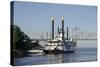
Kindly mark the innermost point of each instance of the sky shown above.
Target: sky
(33, 17)
(36, 17)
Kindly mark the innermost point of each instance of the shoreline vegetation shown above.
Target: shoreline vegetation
(22, 43)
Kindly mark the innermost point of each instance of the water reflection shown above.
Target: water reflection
(80, 55)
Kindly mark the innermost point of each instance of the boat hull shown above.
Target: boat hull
(56, 51)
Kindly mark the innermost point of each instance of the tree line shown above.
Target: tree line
(21, 42)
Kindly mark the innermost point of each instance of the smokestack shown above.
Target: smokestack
(67, 34)
(52, 27)
(62, 28)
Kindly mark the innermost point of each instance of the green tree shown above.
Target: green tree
(20, 40)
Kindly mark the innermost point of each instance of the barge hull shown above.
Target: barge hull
(56, 51)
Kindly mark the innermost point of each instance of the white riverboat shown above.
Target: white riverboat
(60, 43)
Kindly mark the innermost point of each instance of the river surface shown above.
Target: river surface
(86, 51)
